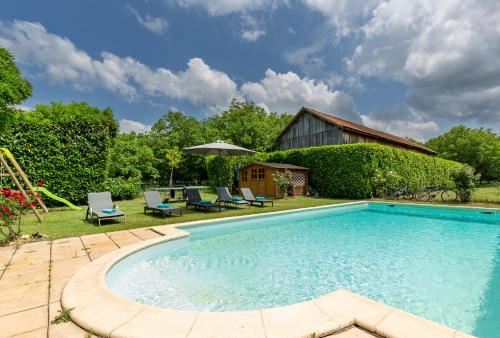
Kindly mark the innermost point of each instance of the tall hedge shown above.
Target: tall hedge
(65, 146)
(349, 171)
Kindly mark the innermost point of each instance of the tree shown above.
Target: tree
(174, 159)
(131, 157)
(479, 148)
(174, 129)
(247, 125)
(14, 89)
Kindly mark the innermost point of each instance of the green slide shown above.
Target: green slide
(57, 198)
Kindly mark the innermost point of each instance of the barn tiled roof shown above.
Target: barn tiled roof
(277, 165)
(360, 129)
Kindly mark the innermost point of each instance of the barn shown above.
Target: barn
(258, 176)
(310, 128)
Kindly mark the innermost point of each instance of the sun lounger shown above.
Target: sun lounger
(194, 199)
(248, 196)
(226, 198)
(101, 207)
(155, 203)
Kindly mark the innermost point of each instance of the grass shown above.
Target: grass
(64, 222)
(487, 193)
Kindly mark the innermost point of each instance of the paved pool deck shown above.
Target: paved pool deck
(33, 276)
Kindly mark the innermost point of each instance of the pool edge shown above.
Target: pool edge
(100, 311)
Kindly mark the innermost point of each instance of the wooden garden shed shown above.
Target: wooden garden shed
(258, 176)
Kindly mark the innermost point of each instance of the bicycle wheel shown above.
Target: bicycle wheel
(449, 196)
(423, 196)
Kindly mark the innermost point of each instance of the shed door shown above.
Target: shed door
(258, 177)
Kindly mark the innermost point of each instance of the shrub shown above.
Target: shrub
(13, 204)
(122, 189)
(65, 146)
(221, 171)
(283, 179)
(355, 170)
(464, 182)
(386, 182)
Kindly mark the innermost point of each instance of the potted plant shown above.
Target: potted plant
(13, 204)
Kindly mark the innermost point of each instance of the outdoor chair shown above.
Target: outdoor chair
(248, 196)
(154, 202)
(194, 199)
(226, 198)
(101, 207)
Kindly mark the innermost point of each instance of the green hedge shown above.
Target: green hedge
(350, 171)
(65, 146)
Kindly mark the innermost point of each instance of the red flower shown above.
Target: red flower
(33, 204)
(25, 205)
(5, 208)
(1, 215)
(6, 192)
(40, 184)
(28, 192)
(11, 214)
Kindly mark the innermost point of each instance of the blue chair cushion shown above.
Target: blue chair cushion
(163, 205)
(206, 202)
(108, 211)
(260, 198)
(235, 199)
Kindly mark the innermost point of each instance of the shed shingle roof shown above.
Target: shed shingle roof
(359, 129)
(277, 165)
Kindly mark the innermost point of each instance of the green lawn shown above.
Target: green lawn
(487, 193)
(63, 222)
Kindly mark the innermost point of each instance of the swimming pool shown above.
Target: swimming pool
(440, 263)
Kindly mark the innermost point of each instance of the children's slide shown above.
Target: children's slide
(57, 198)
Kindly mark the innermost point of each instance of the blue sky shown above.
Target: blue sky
(414, 69)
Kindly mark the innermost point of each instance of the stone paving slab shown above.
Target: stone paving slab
(24, 321)
(353, 332)
(67, 248)
(98, 245)
(145, 233)
(124, 238)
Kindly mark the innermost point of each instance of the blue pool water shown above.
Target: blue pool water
(441, 264)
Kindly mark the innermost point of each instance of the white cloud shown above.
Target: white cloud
(252, 35)
(222, 7)
(419, 130)
(344, 15)
(208, 88)
(252, 29)
(446, 52)
(154, 24)
(308, 58)
(63, 62)
(127, 126)
(288, 92)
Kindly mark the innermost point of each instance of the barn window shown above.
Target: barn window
(244, 176)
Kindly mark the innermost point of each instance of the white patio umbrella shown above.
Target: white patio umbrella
(220, 148)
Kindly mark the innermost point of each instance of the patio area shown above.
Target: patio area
(33, 276)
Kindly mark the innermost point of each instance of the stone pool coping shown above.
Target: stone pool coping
(99, 310)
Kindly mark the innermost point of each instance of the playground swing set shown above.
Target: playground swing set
(6, 157)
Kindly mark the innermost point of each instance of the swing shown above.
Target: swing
(6, 154)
